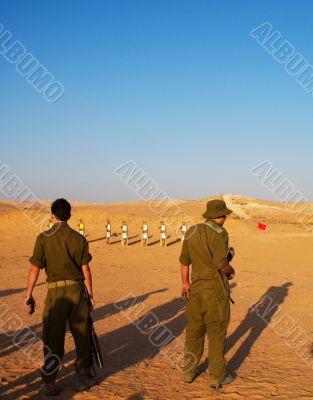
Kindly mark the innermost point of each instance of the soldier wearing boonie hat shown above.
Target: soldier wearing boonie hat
(208, 302)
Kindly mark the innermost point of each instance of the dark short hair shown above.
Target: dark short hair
(61, 208)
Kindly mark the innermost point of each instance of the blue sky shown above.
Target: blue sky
(177, 86)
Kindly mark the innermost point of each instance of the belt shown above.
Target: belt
(66, 282)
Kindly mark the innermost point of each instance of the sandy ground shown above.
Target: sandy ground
(269, 346)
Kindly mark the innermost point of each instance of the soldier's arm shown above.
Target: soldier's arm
(220, 256)
(38, 262)
(86, 258)
(229, 271)
(185, 261)
(185, 278)
(88, 283)
(32, 279)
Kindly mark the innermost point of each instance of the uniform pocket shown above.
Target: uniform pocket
(215, 306)
(46, 315)
(223, 308)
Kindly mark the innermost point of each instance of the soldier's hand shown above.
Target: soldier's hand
(185, 288)
(231, 276)
(229, 271)
(29, 307)
(91, 304)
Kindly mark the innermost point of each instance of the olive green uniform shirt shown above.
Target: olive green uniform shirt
(62, 252)
(206, 248)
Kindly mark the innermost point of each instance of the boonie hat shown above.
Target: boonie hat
(216, 208)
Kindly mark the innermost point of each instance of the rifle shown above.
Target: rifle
(224, 287)
(230, 256)
(95, 347)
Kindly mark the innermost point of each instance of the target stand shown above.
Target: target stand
(124, 235)
(183, 231)
(163, 235)
(108, 232)
(81, 227)
(144, 238)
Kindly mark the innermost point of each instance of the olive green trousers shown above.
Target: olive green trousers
(207, 312)
(64, 304)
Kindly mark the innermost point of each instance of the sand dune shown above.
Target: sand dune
(268, 358)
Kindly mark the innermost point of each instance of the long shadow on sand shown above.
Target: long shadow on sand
(9, 319)
(130, 344)
(138, 241)
(105, 311)
(8, 292)
(119, 241)
(122, 348)
(136, 396)
(178, 240)
(157, 241)
(104, 237)
(256, 320)
(258, 317)
(97, 240)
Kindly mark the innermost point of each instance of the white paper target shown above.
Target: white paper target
(108, 234)
(163, 227)
(163, 235)
(145, 227)
(184, 228)
(145, 236)
(124, 235)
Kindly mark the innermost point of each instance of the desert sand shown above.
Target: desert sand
(269, 350)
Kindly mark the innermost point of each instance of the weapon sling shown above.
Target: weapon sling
(210, 224)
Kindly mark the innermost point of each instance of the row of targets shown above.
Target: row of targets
(125, 232)
(81, 226)
(145, 233)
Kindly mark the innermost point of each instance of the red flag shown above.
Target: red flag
(261, 226)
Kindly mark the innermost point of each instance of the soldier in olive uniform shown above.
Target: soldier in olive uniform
(64, 254)
(208, 309)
